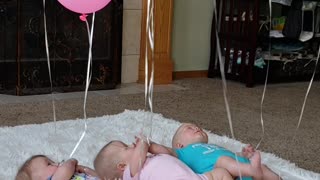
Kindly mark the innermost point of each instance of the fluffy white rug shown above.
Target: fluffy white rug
(20, 142)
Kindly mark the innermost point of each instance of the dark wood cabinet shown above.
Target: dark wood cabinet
(23, 62)
(237, 34)
(245, 38)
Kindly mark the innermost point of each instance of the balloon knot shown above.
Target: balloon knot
(83, 17)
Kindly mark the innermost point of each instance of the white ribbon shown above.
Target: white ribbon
(48, 62)
(265, 82)
(221, 64)
(307, 93)
(88, 79)
(149, 83)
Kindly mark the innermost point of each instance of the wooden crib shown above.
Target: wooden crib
(237, 32)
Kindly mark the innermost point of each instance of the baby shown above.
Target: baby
(190, 145)
(40, 167)
(116, 160)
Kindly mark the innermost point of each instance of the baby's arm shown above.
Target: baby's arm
(139, 156)
(161, 149)
(66, 170)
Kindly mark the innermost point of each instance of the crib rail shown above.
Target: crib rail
(237, 31)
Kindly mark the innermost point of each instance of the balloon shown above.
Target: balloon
(84, 6)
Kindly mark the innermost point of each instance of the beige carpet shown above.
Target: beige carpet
(202, 103)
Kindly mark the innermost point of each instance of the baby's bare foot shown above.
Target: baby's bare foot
(255, 162)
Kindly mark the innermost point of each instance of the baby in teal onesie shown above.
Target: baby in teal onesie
(202, 157)
(190, 145)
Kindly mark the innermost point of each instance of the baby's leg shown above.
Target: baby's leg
(219, 174)
(269, 174)
(235, 168)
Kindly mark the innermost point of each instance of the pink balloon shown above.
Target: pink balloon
(84, 6)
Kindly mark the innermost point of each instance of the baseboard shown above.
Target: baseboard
(189, 74)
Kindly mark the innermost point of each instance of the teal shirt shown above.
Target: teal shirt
(202, 157)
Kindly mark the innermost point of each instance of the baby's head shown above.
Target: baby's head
(112, 160)
(37, 167)
(187, 134)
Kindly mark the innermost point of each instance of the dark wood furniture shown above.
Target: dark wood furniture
(23, 64)
(241, 31)
(237, 31)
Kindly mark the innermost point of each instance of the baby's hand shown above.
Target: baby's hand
(65, 170)
(86, 170)
(139, 155)
(143, 138)
(142, 141)
(248, 151)
(71, 161)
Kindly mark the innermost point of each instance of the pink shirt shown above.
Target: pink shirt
(163, 166)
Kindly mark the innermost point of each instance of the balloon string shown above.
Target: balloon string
(307, 93)
(146, 69)
(88, 79)
(149, 38)
(224, 83)
(151, 41)
(265, 82)
(48, 62)
(261, 107)
(149, 83)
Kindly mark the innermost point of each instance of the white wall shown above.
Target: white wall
(132, 11)
(191, 34)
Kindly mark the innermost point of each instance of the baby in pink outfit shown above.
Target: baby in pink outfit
(116, 160)
(40, 167)
(161, 167)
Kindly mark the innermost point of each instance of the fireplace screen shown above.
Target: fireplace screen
(23, 63)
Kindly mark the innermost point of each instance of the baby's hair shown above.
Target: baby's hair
(176, 136)
(105, 162)
(24, 172)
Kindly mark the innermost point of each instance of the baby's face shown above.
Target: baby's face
(190, 133)
(42, 168)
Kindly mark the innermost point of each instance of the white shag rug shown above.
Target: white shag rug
(20, 142)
